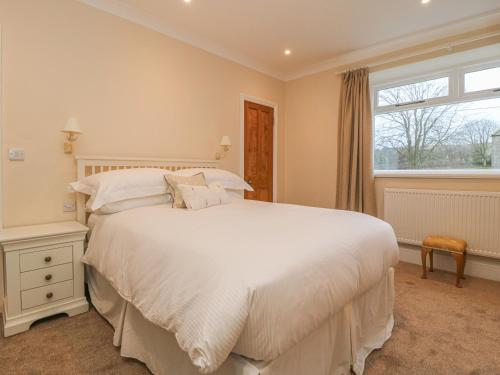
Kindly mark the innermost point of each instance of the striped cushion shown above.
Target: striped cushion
(174, 181)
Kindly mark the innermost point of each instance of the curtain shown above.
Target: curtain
(355, 182)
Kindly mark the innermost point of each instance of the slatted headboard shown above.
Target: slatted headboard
(89, 165)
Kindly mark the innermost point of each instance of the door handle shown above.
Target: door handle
(249, 181)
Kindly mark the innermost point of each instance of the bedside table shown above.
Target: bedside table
(43, 274)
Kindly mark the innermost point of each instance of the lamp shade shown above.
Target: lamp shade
(225, 141)
(72, 126)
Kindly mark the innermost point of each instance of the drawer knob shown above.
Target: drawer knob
(48, 259)
(49, 295)
(48, 277)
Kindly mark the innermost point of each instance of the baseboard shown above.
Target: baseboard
(484, 268)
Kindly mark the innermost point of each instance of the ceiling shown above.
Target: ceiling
(255, 33)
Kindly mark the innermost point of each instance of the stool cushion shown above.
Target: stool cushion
(445, 243)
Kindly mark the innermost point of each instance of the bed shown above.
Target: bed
(243, 288)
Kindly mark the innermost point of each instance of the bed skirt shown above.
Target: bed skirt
(342, 343)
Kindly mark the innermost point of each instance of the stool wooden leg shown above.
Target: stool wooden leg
(424, 252)
(463, 266)
(459, 258)
(431, 258)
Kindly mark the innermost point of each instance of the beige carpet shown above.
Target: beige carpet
(439, 330)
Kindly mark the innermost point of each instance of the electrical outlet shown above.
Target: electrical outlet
(69, 206)
(16, 154)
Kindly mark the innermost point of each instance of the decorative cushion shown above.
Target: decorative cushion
(198, 197)
(445, 243)
(174, 181)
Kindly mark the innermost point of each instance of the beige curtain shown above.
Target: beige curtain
(355, 182)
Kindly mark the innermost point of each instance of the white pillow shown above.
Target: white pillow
(197, 197)
(128, 204)
(236, 193)
(114, 186)
(227, 179)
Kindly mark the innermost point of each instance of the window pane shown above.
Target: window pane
(482, 80)
(413, 92)
(460, 136)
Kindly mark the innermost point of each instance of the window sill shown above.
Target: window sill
(449, 173)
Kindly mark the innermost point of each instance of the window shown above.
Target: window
(413, 92)
(445, 120)
(480, 80)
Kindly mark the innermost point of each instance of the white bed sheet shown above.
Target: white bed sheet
(267, 275)
(341, 343)
(93, 220)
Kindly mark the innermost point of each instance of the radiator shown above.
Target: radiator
(472, 216)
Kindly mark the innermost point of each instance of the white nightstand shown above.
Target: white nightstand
(43, 274)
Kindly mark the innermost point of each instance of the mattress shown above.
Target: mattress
(339, 344)
(251, 278)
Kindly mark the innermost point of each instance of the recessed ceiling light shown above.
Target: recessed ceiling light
(426, 1)
(288, 52)
(187, 1)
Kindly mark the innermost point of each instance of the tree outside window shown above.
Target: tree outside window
(454, 135)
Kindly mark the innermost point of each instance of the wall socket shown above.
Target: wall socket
(69, 206)
(16, 154)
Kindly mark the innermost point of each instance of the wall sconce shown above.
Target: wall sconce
(225, 143)
(72, 129)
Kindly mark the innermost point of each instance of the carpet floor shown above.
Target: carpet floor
(439, 329)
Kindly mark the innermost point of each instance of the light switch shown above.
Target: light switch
(16, 154)
(69, 206)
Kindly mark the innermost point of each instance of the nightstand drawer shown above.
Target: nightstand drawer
(46, 276)
(46, 258)
(46, 294)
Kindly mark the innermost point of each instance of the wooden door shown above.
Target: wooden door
(259, 123)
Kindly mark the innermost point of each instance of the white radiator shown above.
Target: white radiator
(470, 215)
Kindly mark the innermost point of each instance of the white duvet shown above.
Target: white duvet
(249, 277)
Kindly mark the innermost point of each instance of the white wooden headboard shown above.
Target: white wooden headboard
(89, 165)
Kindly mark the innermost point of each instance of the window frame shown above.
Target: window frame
(456, 94)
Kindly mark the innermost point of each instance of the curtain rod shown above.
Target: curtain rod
(446, 46)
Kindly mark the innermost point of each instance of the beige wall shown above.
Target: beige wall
(311, 107)
(135, 92)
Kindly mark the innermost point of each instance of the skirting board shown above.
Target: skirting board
(484, 268)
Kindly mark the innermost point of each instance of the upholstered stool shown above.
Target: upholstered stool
(454, 246)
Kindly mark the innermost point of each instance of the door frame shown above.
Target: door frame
(274, 106)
